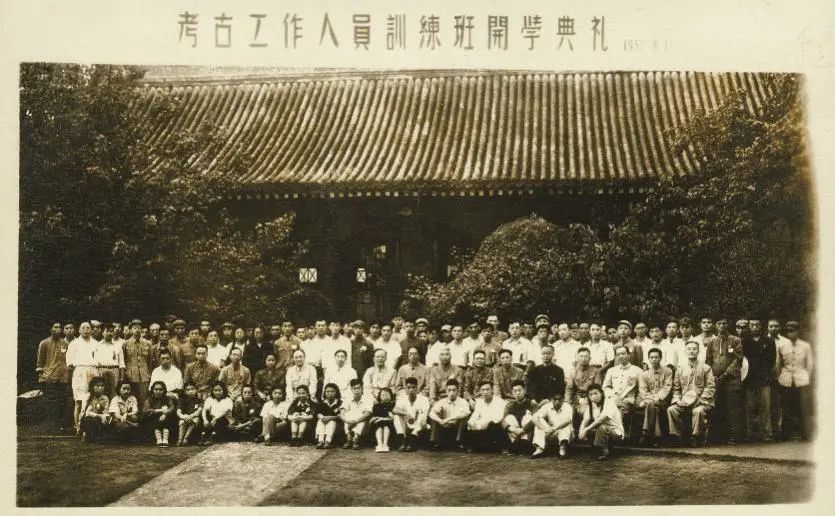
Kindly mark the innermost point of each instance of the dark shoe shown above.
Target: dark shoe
(505, 451)
(268, 442)
(403, 447)
(436, 447)
(604, 454)
(258, 439)
(320, 445)
(355, 445)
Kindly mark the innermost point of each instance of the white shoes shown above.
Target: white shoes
(382, 448)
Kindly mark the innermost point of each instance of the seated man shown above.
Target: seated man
(518, 419)
(693, 391)
(552, 422)
(621, 383)
(245, 421)
(355, 413)
(505, 375)
(449, 417)
(654, 386)
(410, 414)
(484, 428)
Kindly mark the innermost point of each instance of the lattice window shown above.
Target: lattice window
(308, 275)
(362, 275)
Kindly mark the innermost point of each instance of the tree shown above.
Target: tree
(115, 223)
(525, 266)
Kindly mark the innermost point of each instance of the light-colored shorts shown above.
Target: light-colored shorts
(81, 377)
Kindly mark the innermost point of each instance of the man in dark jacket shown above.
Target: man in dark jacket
(761, 354)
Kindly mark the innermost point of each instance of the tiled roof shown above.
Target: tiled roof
(419, 131)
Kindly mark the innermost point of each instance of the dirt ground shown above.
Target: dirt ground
(458, 479)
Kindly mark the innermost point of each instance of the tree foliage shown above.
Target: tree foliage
(733, 239)
(115, 223)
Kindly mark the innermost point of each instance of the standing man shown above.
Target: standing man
(69, 332)
(164, 342)
(491, 347)
(458, 349)
(285, 345)
(520, 347)
(227, 334)
(601, 352)
(82, 366)
(493, 322)
(205, 328)
(724, 356)
(505, 374)
(473, 339)
(654, 386)
(187, 349)
(392, 348)
(564, 351)
(796, 365)
(704, 337)
(435, 348)
(636, 352)
(362, 351)
(641, 332)
(397, 332)
(53, 375)
(693, 391)
(780, 343)
(338, 341)
(110, 361)
(577, 384)
(761, 354)
(139, 356)
(410, 340)
(621, 384)
(672, 348)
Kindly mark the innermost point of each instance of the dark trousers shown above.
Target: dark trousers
(247, 433)
(797, 411)
(758, 411)
(445, 435)
(57, 399)
(728, 416)
(220, 429)
(491, 438)
(93, 427)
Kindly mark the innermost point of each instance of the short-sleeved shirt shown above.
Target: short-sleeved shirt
(201, 374)
(98, 404)
(172, 378)
(120, 407)
(414, 408)
(354, 409)
(610, 409)
(218, 407)
(444, 408)
(276, 410)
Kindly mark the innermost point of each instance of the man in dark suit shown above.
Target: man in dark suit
(761, 354)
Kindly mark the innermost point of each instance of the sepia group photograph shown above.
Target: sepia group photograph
(281, 286)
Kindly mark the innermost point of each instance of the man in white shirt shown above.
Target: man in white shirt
(521, 348)
(552, 422)
(316, 346)
(216, 354)
(397, 332)
(796, 367)
(458, 349)
(390, 346)
(473, 339)
(411, 413)
(704, 337)
(672, 348)
(484, 428)
(380, 375)
(338, 341)
(600, 350)
(340, 373)
(435, 349)
(81, 362)
(110, 360)
(565, 348)
(449, 417)
(355, 413)
(167, 373)
(621, 384)
(300, 373)
(780, 345)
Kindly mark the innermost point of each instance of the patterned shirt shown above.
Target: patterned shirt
(235, 378)
(503, 378)
(439, 375)
(201, 374)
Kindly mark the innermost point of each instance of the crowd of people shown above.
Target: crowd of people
(534, 389)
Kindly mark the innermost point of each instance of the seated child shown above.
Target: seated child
(300, 413)
(188, 411)
(355, 414)
(328, 415)
(518, 419)
(382, 420)
(158, 413)
(124, 411)
(95, 416)
(216, 411)
(245, 422)
(274, 416)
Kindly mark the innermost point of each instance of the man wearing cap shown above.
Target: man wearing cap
(693, 393)
(285, 345)
(795, 363)
(53, 375)
(724, 356)
(421, 324)
(435, 348)
(636, 353)
(761, 354)
(227, 334)
(139, 355)
(110, 361)
(362, 351)
(493, 320)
